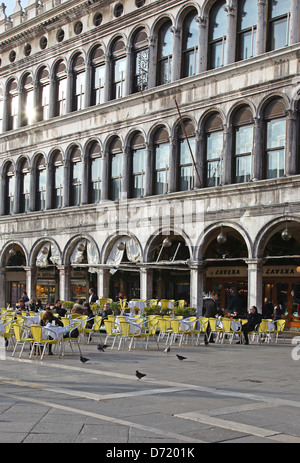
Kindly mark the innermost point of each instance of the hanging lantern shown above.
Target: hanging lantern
(45, 250)
(167, 243)
(121, 246)
(12, 252)
(286, 235)
(221, 238)
(81, 247)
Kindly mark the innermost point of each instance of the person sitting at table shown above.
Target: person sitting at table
(48, 317)
(61, 311)
(20, 306)
(106, 311)
(78, 307)
(38, 305)
(254, 319)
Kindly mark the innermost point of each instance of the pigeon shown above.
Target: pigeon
(180, 357)
(167, 350)
(139, 375)
(83, 359)
(101, 347)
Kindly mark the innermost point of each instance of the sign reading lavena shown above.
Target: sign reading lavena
(273, 271)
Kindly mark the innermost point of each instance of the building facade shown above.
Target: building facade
(151, 148)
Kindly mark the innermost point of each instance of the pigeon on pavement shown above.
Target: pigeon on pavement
(139, 375)
(180, 357)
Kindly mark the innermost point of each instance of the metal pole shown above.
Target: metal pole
(183, 128)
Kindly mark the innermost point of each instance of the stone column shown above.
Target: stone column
(49, 182)
(261, 27)
(126, 174)
(231, 32)
(85, 179)
(88, 87)
(203, 44)
(103, 282)
(64, 282)
(196, 286)
(200, 157)
(69, 99)
(291, 144)
(176, 53)
(17, 193)
(146, 283)
(294, 25)
(4, 115)
(149, 170)
(128, 73)
(227, 156)
(66, 189)
(173, 169)
(107, 85)
(152, 62)
(32, 197)
(3, 195)
(3, 295)
(105, 176)
(255, 283)
(31, 278)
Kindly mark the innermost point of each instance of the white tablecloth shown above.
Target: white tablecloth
(185, 325)
(31, 320)
(55, 332)
(1, 329)
(271, 326)
(170, 304)
(139, 304)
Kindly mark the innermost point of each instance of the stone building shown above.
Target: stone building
(150, 147)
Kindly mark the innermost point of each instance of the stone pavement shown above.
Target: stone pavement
(219, 393)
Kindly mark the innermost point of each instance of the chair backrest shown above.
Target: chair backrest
(203, 324)
(175, 325)
(164, 324)
(280, 325)
(111, 318)
(17, 330)
(226, 324)
(7, 327)
(164, 303)
(65, 320)
(24, 313)
(180, 304)
(109, 325)
(97, 322)
(212, 323)
(32, 314)
(36, 331)
(124, 328)
(263, 325)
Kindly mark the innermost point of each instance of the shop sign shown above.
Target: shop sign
(282, 270)
(223, 272)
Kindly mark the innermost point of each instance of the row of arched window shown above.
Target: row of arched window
(155, 164)
(148, 59)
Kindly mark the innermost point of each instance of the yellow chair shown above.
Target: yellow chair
(203, 322)
(280, 325)
(72, 336)
(32, 314)
(94, 329)
(214, 329)
(19, 339)
(145, 334)
(175, 331)
(8, 334)
(125, 334)
(111, 331)
(111, 318)
(164, 303)
(38, 342)
(65, 320)
(227, 331)
(24, 313)
(164, 326)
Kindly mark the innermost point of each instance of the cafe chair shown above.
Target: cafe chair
(214, 329)
(72, 336)
(227, 330)
(8, 333)
(203, 325)
(111, 332)
(280, 325)
(20, 341)
(165, 330)
(39, 345)
(94, 329)
(176, 332)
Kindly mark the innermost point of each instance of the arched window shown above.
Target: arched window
(78, 84)
(190, 40)
(161, 161)
(43, 88)
(116, 168)
(12, 105)
(9, 189)
(95, 173)
(242, 145)
(75, 177)
(58, 181)
(98, 76)
(164, 55)
(246, 29)
(217, 35)
(60, 89)
(24, 187)
(141, 61)
(186, 168)
(138, 157)
(275, 139)
(214, 150)
(41, 184)
(118, 69)
(27, 100)
(279, 23)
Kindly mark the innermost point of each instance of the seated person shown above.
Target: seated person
(254, 319)
(106, 311)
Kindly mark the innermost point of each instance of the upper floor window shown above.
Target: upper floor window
(95, 173)
(164, 55)
(78, 86)
(118, 69)
(186, 169)
(25, 187)
(58, 181)
(190, 40)
(138, 157)
(279, 23)
(9, 189)
(12, 105)
(27, 100)
(217, 35)
(141, 61)
(242, 145)
(76, 177)
(41, 184)
(246, 29)
(116, 169)
(214, 150)
(43, 89)
(275, 136)
(60, 89)
(161, 161)
(98, 76)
